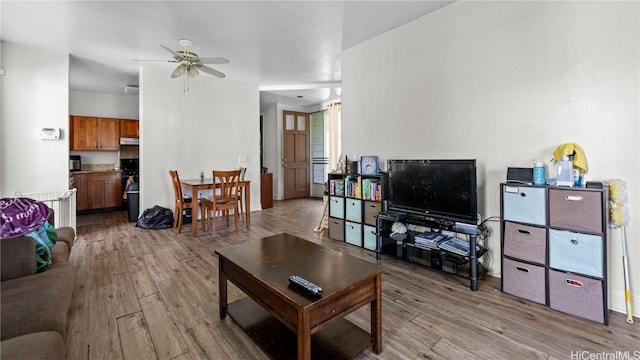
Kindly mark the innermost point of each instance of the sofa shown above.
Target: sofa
(34, 304)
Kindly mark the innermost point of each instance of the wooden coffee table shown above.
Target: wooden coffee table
(286, 322)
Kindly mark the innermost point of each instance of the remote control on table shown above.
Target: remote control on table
(305, 285)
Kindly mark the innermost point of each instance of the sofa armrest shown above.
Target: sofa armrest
(17, 257)
(67, 235)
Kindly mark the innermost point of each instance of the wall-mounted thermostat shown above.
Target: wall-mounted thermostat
(50, 133)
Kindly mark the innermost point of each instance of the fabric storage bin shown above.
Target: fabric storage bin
(578, 210)
(524, 204)
(369, 237)
(524, 280)
(336, 207)
(353, 233)
(336, 229)
(576, 252)
(525, 242)
(371, 210)
(354, 210)
(577, 295)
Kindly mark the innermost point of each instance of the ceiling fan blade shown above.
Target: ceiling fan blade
(151, 60)
(179, 71)
(192, 71)
(211, 71)
(175, 54)
(213, 60)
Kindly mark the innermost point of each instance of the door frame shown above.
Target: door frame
(293, 193)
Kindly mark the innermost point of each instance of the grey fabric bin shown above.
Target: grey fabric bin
(576, 210)
(525, 242)
(336, 229)
(576, 295)
(524, 280)
(371, 210)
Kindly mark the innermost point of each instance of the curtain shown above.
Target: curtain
(335, 136)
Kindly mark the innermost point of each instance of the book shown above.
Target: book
(456, 246)
(339, 187)
(430, 239)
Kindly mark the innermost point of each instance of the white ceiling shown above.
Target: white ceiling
(289, 48)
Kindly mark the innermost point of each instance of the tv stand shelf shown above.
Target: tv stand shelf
(440, 259)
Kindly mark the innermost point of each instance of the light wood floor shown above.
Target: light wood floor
(152, 294)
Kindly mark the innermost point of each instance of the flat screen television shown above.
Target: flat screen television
(444, 190)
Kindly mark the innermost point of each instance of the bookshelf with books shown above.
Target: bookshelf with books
(355, 200)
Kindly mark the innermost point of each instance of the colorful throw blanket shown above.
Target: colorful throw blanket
(20, 216)
(28, 217)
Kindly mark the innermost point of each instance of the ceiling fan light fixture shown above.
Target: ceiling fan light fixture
(179, 71)
(192, 71)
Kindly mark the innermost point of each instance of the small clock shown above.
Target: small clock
(369, 165)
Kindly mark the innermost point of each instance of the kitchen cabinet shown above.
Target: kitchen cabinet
(129, 128)
(94, 133)
(80, 183)
(104, 190)
(98, 190)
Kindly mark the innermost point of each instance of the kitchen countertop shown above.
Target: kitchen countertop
(92, 171)
(97, 168)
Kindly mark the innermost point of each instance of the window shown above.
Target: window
(319, 148)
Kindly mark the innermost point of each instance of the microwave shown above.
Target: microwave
(75, 164)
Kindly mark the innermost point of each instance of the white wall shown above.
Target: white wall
(35, 94)
(208, 128)
(102, 105)
(271, 157)
(505, 83)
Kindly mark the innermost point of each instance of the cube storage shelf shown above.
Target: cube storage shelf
(354, 203)
(554, 247)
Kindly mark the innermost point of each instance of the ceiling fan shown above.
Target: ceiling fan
(190, 64)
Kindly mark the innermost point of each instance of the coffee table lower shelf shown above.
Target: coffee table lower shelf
(340, 340)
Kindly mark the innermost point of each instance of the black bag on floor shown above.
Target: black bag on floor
(156, 218)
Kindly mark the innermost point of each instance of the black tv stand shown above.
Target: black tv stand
(385, 218)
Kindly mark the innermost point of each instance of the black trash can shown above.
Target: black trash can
(133, 202)
(186, 213)
(186, 217)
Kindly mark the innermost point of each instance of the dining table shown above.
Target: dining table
(196, 185)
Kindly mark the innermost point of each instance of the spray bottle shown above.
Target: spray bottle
(565, 172)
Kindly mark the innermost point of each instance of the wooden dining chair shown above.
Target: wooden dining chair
(180, 204)
(225, 198)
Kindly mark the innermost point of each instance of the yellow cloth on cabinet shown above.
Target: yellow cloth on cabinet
(579, 160)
